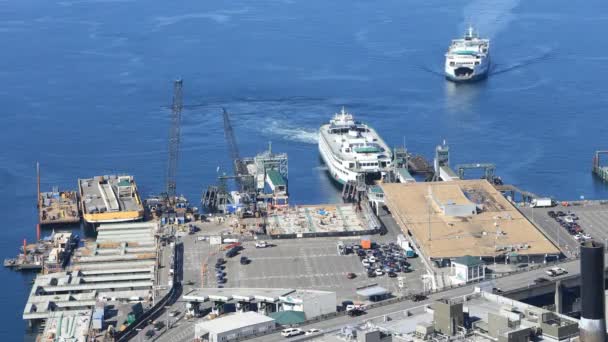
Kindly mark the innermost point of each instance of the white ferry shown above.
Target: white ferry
(468, 59)
(350, 148)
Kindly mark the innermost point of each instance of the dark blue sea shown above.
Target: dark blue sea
(85, 86)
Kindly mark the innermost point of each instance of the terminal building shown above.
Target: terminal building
(280, 304)
(448, 220)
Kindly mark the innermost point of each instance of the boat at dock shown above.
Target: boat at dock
(350, 148)
(106, 199)
(50, 254)
(468, 59)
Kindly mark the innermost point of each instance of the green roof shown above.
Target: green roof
(275, 177)
(288, 317)
(367, 149)
(124, 182)
(468, 260)
(466, 52)
(376, 189)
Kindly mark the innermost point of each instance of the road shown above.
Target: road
(185, 331)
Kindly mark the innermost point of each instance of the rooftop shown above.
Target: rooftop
(498, 229)
(232, 322)
(111, 193)
(468, 260)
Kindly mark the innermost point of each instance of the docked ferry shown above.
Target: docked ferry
(468, 59)
(350, 148)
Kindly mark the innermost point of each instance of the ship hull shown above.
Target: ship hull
(464, 74)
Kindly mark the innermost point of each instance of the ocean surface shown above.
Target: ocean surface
(86, 85)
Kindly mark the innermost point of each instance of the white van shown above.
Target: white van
(289, 332)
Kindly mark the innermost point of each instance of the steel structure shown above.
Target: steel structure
(174, 139)
(488, 169)
(600, 170)
(241, 176)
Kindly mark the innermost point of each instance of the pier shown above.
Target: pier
(600, 170)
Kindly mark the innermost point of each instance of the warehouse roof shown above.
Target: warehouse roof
(372, 291)
(233, 322)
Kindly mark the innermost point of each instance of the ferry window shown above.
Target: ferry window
(451, 63)
(351, 165)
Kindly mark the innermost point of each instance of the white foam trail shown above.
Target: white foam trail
(489, 17)
(286, 132)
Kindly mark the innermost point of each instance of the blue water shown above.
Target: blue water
(85, 85)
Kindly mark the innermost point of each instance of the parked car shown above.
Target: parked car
(540, 280)
(290, 332)
(418, 297)
(379, 272)
(244, 260)
(555, 271)
(351, 275)
(371, 274)
(260, 244)
(392, 274)
(312, 331)
(355, 312)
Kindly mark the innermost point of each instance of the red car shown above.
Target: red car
(351, 275)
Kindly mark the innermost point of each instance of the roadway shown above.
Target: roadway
(184, 330)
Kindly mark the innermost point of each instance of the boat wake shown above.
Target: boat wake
(285, 132)
(498, 68)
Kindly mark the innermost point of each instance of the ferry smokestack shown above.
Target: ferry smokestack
(592, 325)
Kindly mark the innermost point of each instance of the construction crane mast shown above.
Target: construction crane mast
(174, 139)
(240, 169)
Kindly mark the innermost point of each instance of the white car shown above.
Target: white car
(379, 272)
(261, 244)
(365, 263)
(371, 259)
(556, 271)
(290, 332)
(312, 331)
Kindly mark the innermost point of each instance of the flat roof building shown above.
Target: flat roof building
(234, 327)
(463, 217)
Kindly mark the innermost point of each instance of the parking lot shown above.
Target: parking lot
(306, 264)
(592, 219)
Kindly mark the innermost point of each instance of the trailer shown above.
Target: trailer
(542, 203)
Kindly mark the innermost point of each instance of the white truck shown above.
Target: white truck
(542, 203)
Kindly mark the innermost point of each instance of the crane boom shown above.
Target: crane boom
(174, 138)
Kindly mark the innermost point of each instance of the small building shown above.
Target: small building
(467, 269)
(373, 293)
(233, 327)
(312, 303)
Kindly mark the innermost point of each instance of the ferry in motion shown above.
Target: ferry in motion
(468, 59)
(350, 148)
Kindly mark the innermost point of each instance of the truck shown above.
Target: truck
(542, 203)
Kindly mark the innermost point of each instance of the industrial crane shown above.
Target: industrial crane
(174, 140)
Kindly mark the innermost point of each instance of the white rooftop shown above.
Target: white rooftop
(232, 322)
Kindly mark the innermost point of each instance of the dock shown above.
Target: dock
(50, 254)
(58, 207)
(600, 170)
